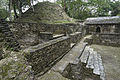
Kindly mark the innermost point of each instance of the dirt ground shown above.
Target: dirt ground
(111, 60)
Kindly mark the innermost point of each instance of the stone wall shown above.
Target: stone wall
(104, 28)
(46, 36)
(75, 37)
(27, 34)
(7, 37)
(42, 56)
(42, 27)
(105, 39)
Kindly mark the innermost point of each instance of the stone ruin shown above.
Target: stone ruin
(105, 30)
(40, 51)
(34, 49)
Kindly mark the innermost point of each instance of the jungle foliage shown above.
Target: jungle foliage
(82, 9)
(78, 9)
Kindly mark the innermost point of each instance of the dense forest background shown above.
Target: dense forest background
(78, 9)
(82, 9)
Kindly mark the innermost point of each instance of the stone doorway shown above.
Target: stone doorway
(98, 30)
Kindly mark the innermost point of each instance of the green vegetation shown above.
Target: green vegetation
(45, 12)
(82, 9)
(78, 9)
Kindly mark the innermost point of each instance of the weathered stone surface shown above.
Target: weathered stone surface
(14, 67)
(43, 55)
(105, 39)
(8, 37)
(103, 28)
(46, 36)
(27, 34)
(52, 75)
(75, 37)
(93, 68)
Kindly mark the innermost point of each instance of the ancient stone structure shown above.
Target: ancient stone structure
(38, 58)
(75, 37)
(105, 30)
(46, 36)
(41, 51)
(103, 25)
(10, 40)
(14, 67)
(28, 34)
(87, 66)
(44, 55)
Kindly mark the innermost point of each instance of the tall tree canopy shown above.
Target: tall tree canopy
(14, 7)
(115, 8)
(81, 9)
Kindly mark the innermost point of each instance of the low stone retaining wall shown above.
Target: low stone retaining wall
(110, 39)
(43, 27)
(113, 37)
(75, 37)
(28, 34)
(43, 55)
(46, 36)
(105, 39)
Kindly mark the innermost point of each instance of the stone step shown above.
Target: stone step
(8, 32)
(70, 57)
(102, 73)
(96, 64)
(90, 63)
(8, 35)
(11, 42)
(93, 61)
(5, 30)
(3, 27)
(85, 55)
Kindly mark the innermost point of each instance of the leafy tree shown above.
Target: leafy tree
(100, 7)
(115, 8)
(3, 9)
(75, 8)
(82, 9)
(3, 14)
(18, 5)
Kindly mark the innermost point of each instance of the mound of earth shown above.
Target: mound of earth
(46, 12)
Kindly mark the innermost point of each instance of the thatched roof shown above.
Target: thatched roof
(103, 20)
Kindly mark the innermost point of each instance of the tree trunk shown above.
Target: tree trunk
(14, 8)
(10, 8)
(20, 8)
(32, 5)
(64, 4)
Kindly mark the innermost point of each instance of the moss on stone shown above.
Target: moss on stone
(46, 12)
(14, 67)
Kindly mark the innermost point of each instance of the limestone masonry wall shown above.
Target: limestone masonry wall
(43, 27)
(38, 58)
(108, 28)
(108, 39)
(112, 39)
(42, 56)
(75, 37)
(28, 34)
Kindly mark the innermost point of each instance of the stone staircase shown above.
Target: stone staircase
(9, 38)
(92, 64)
(81, 63)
